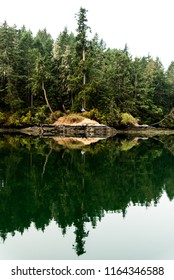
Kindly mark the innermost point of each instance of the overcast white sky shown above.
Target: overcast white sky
(147, 26)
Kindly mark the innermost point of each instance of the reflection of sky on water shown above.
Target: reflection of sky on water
(145, 233)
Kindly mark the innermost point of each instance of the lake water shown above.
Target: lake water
(60, 199)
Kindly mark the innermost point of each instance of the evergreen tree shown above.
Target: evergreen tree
(9, 60)
(43, 44)
(94, 89)
(82, 45)
(170, 86)
(64, 64)
(26, 66)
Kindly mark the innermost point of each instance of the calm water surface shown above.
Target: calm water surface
(61, 199)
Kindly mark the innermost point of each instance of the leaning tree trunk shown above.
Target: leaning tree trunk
(45, 95)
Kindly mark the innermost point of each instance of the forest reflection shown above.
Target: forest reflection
(46, 179)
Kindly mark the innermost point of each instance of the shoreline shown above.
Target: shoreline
(64, 130)
(145, 131)
(86, 130)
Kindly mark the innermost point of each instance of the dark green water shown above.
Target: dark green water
(109, 200)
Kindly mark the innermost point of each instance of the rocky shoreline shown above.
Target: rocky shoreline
(65, 130)
(71, 130)
(87, 130)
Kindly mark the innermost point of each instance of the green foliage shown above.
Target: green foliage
(128, 119)
(14, 120)
(168, 120)
(93, 114)
(2, 118)
(27, 119)
(40, 115)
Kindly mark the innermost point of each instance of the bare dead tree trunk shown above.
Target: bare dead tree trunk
(45, 96)
(64, 109)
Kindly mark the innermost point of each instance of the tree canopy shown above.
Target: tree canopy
(40, 78)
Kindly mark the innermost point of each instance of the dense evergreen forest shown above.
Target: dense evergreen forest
(42, 78)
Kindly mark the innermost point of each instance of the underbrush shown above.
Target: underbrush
(41, 115)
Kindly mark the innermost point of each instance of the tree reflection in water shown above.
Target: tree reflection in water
(41, 181)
